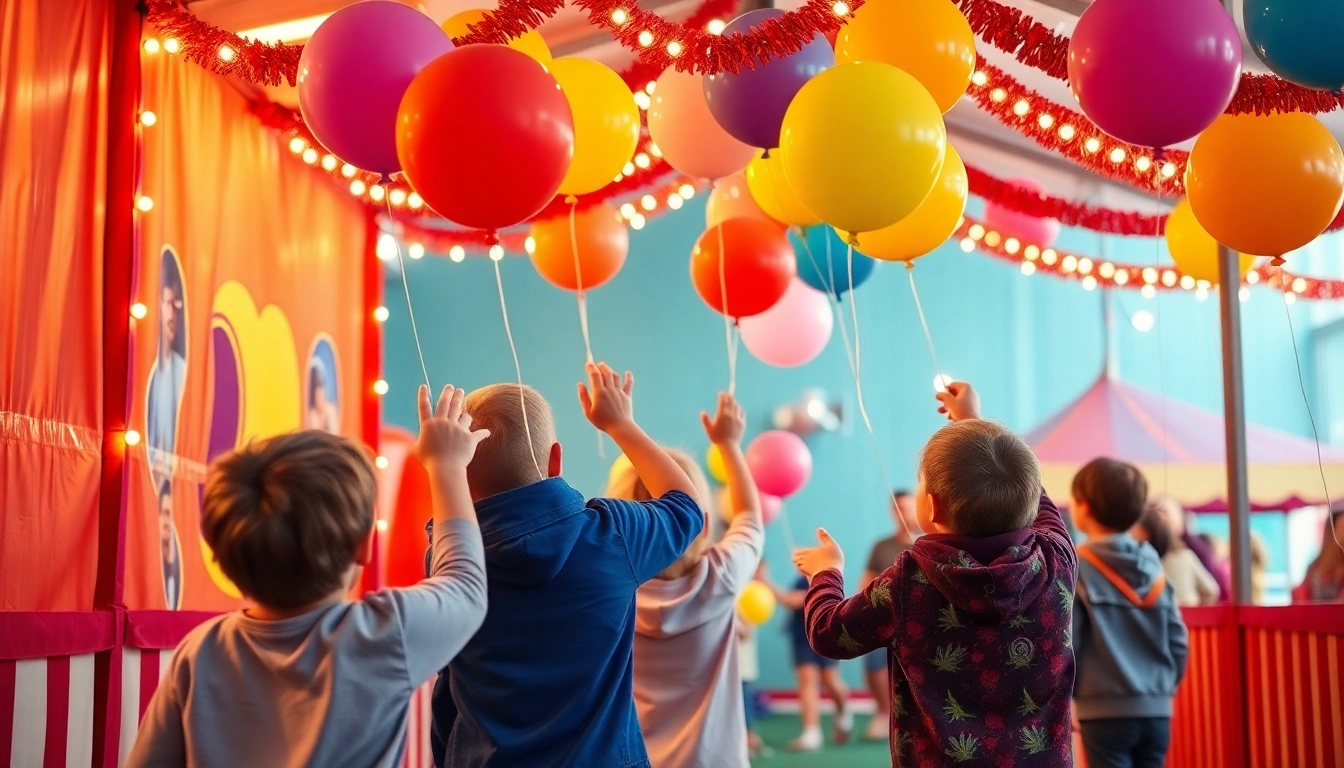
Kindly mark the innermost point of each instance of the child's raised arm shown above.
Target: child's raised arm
(742, 544)
(607, 403)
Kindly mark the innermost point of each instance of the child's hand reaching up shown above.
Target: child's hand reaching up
(606, 398)
(959, 401)
(728, 424)
(446, 437)
(825, 557)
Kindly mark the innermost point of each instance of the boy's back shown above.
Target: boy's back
(547, 679)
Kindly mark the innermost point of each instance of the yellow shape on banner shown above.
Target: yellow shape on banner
(530, 42)
(216, 575)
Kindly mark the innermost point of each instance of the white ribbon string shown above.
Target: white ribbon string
(518, 370)
(727, 321)
(924, 323)
(581, 293)
(401, 262)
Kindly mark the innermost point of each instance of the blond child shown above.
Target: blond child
(977, 613)
(304, 676)
(547, 679)
(688, 682)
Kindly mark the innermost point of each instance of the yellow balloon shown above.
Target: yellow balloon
(930, 39)
(606, 123)
(1265, 184)
(932, 223)
(862, 145)
(530, 42)
(714, 462)
(1194, 250)
(618, 468)
(756, 604)
(771, 191)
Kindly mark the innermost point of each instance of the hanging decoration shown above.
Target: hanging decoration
(771, 191)
(1012, 196)
(458, 26)
(686, 133)
(823, 261)
(1298, 41)
(606, 123)
(1194, 250)
(929, 39)
(594, 250)
(792, 332)
(758, 264)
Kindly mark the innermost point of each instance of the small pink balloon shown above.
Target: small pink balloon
(687, 134)
(780, 463)
(770, 506)
(1028, 229)
(1154, 72)
(792, 332)
(730, 199)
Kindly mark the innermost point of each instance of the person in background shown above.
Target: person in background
(1218, 563)
(1163, 523)
(882, 557)
(1259, 567)
(1324, 580)
(322, 412)
(749, 661)
(1128, 635)
(813, 671)
(169, 373)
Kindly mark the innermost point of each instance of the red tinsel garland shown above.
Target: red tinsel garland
(1097, 219)
(1039, 47)
(205, 44)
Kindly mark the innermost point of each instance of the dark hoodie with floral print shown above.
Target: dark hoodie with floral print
(978, 633)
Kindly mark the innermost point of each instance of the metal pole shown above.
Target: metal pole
(1234, 423)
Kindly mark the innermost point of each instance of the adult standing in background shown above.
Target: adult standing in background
(882, 557)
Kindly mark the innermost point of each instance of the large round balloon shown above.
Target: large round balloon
(862, 145)
(756, 271)
(1026, 228)
(606, 123)
(750, 104)
(1264, 185)
(352, 75)
(756, 604)
(687, 135)
(1298, 40)
(792, 332)
(930, 39)
(603, 242)
(771, 191)
(1154, 72)
(932, 223)
(530, 42)
(731, 199)
(779, 462)
(477, 159)
(823, 262)
(1194, 250)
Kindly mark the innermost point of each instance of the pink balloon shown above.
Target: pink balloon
(687, 134)
(354, 71)
(792, 332)
(779, 462)
(1029, 229)
(770, 506)
(730, 199)
(1154, 72)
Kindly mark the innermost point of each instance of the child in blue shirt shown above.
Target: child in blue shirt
(548, 678)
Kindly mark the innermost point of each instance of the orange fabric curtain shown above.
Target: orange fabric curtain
(56, 59)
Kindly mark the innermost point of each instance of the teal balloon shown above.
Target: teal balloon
(1301, 41)
(828, 263)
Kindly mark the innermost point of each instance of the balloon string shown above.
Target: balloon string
(518, 370)
(405, 286)
(928, 337)
(858, 368)
(788, 528)
(578, 280)
(1161, 357)
(1315, 435)
(727, 321)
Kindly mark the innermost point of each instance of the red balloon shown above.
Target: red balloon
(485, 135)
(757, 270)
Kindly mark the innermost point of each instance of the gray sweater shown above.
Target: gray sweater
(329, 687)
(1130, 658)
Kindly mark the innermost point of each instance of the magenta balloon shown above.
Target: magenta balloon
(751, 104)
(354, 71)
(1154, 72)
(779, 462)
(792, 332)
(1030, 230)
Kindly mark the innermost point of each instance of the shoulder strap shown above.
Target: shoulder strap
(1118, 581)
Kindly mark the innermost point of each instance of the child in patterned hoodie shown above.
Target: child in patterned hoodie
(976, 617)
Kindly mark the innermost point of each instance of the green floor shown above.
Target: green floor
(777, 730)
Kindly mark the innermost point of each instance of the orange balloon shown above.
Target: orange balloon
(731, 199)
(603, 242)
(1265, 185)
(757, 269)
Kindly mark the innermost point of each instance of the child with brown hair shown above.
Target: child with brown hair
(547, 679)
(1127, 628)
(304, 676)
(688, 682)
(977, 612)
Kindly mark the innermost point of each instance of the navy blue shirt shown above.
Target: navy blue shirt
(547, 679)
(797, 625)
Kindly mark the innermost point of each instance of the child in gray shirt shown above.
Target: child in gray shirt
(305, 676)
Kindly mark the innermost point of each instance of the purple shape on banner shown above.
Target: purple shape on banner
(225, 415)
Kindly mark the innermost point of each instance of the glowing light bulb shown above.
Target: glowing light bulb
(530, 245)
(976, 232)
(171, 45)
(674, 48)
(131, 437)
(1048, 257)
(646, 38)
(627, 210)
(1169, 278)
(642, 160)
(398, 196)
(841, 8)
(1143, 321)
(716, 27)
(1069, 263)
(648, 202)
(138, 311)
(348, 171)
(1089, 283)
(1149, 275)
(967, 244)
(1187, 282)
(386, 249)
(415, 200)
(979, 78)
(1021, 108)
(1168, 170)
(1012, 246)
(1106, 270)
(377, 191)
(148, 118)
(992, 239)
(357, 188)
(380, 387)
(297, 145)
(226, 53)
(1121, 277)
(1148, 291)
(382, 524)
(1299, 285)
(1202, 293)
(999, 95)
(151, 45)
(628, 169)
(310, 155)
(1253, 277)
(1244, 294)
(416, 251)
(1092, 145)
(941, 382)
(1067, 132)
(1028, 268)
(650, 87)
(1143, 164)
(1084, 266)
(457, 253)
(1032, 252)
(654, 150)
(496, 253)
(642, 100)
(675, 201)
(1289, 298)
(329, 163)
(637, 221)
(144, 203)
(1118, 155)
(619, 16)
(686, 190)
(1045, 121)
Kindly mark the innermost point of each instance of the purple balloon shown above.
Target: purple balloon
(750, 105)
(1154, 72)
(353, 73)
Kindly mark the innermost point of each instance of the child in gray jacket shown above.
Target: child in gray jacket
(1128, 636)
